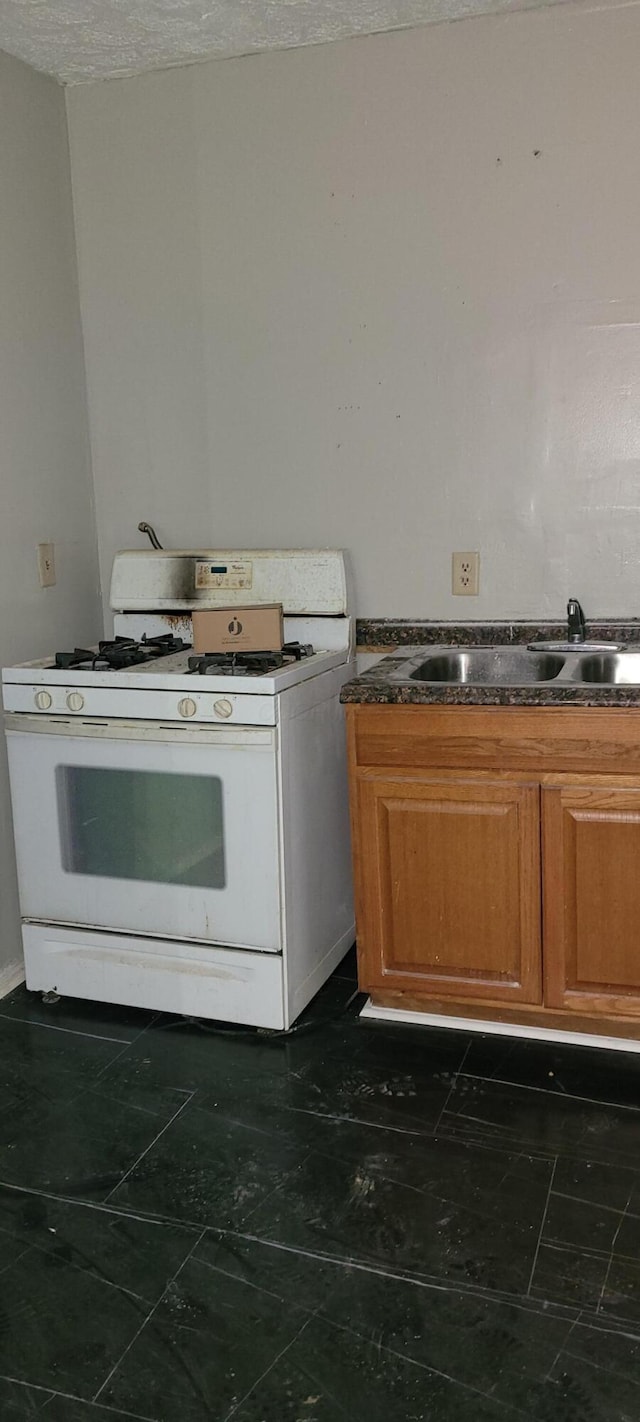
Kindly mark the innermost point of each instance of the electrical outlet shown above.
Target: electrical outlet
(47, 565)
(465, 574)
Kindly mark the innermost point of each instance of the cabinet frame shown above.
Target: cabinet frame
(565, 751)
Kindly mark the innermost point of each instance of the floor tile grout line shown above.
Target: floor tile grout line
(308, 1320)
(27, 1250)
(108, 1065)
(115, 1412)
(361, 1121)
(545, 1091)
(456, 1075)
(548, 1377)
(618, 1325)
(610, 1372)
(98, 1089)
(413, 1362)
(73, 1397)
(561, 1246)
(587, 1251)
(151, 1023)
(598, 1204)
(36, 1248)
(221, 1230)
(544, 1220)
(521, 1301)
(515, 1160)
(80, 1269)
(428, 1368)
(229, 1415)
(67, 1031)
(392, 1178)
(35, 1387)
(493, 1141)
(625, 1325)
(155, 1140)
(615, 1326)
(103, 1208)
(613, 1248)
(146, 1320)
(247, 1283)
(416, 1280)
(497, 1144)
(125, 1042)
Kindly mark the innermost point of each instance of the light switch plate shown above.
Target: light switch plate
(465, 574)
(47, 565)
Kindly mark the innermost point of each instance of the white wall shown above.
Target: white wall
(384, 294)
(44, 448)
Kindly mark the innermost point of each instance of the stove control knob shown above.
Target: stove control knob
(187, 707)
(43, 700)
(223, 708)
(75, 701)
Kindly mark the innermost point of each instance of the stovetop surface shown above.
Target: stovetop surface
(170, 672)
(124, 653)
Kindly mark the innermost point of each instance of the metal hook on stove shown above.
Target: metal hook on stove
(147, 528)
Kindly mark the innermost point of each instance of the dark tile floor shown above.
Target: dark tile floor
(356, 1221)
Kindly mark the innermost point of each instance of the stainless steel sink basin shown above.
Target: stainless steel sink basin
(610, 669)
(489, 666)
(517, 666)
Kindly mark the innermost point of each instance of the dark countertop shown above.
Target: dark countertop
(387, 633)
(384, 683)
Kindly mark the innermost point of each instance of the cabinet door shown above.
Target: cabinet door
(449, 887)
(591, 884)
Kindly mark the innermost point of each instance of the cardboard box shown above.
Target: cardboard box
(239, 629)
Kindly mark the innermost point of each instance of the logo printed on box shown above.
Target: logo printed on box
(247, 628)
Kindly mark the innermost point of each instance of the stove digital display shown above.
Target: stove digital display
(237, 574)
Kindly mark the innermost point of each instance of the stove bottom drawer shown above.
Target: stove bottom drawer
(187, 979)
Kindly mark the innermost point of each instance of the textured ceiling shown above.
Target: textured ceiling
(80, 40)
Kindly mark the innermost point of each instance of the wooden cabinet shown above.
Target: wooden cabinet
(472, 827)
(591, 892)
(452, 891)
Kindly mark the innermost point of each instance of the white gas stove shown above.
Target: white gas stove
(181, 822)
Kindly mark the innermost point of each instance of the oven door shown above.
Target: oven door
(153, 830)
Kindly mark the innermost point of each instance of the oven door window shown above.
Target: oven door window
(142, 824)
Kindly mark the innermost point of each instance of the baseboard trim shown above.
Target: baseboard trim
(11, 976)
(497, 1029)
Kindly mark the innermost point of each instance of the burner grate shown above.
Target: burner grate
(248, 663)
(121, 652)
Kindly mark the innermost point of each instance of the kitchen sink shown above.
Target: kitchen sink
(512, 666)
(612, 669)
(489, 666)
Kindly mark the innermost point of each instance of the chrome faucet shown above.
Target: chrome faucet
(575, 621)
